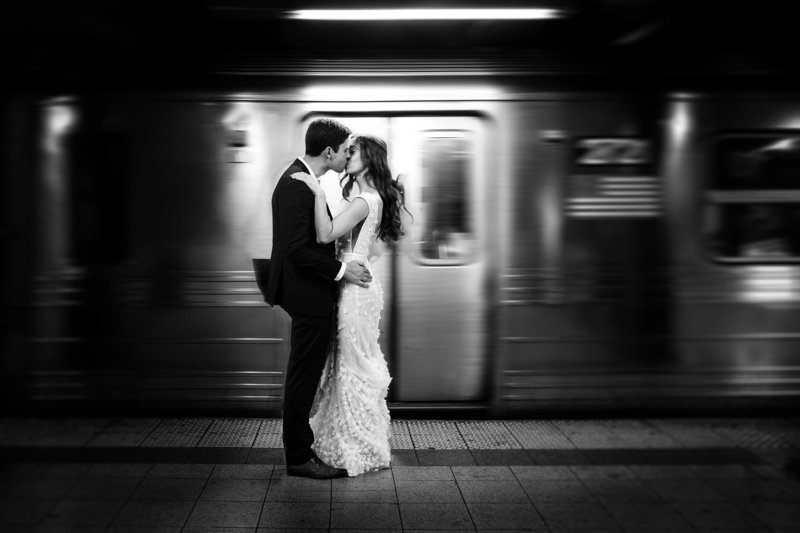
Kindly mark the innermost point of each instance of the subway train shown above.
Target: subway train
(571, 246)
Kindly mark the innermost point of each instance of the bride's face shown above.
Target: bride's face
(339, 157)
(355, 164)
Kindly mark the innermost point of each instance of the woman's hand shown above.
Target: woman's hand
(309, 180)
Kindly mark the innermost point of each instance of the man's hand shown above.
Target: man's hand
(356, 272)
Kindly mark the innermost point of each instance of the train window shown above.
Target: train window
(447, 233)
(752, 212)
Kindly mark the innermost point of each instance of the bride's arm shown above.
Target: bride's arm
(329, 230)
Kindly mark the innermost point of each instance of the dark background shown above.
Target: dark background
(61, 43)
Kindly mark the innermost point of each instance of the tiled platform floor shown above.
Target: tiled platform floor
(227, 475)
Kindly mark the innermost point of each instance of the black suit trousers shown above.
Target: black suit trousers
(309, 347)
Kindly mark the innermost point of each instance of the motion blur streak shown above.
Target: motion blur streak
(60, 118)
(606, 209)
(680, 122)
(246, 188)
(566, 249)
(771, 284)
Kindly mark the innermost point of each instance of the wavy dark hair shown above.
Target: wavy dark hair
(375, 155)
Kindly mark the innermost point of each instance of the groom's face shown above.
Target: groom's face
(339, 158)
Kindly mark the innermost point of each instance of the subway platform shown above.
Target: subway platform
(228, 475)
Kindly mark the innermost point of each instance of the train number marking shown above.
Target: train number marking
(613, 152)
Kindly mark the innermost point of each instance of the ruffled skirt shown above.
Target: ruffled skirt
(350, 418)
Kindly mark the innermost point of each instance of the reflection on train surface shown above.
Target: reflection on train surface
(569, 249)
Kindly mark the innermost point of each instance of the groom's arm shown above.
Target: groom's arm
(342, 270)
(296, 209)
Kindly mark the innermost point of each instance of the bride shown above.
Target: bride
(350, 418)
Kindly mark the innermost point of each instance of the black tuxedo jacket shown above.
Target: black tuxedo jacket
(302, 272)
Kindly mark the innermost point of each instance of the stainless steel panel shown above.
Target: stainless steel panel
(443, 303)
(172, 319)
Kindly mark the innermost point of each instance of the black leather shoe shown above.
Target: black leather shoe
(316, 469)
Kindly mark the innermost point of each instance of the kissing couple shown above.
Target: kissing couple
(335, 419)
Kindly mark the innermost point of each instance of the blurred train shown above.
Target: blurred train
(582, 248)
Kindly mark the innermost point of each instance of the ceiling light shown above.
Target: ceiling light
(425, 14)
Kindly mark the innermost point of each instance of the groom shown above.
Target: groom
(302, 280)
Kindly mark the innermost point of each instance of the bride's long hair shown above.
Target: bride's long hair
(375, 155)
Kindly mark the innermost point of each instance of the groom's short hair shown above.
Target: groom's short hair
(325, 132)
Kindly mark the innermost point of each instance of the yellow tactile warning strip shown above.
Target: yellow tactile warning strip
(435, 435)
(600, 434)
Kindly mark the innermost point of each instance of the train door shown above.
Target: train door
(433, 326)
(440, 272)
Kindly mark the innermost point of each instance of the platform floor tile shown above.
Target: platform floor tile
(194, 497)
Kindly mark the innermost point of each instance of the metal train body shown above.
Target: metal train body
(570, 249)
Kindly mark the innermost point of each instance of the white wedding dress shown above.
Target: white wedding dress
(350, 418)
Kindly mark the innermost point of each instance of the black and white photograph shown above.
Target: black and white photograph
(399, 266)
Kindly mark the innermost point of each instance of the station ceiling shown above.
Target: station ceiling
(122, 39)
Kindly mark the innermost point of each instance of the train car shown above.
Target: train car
(573, 246)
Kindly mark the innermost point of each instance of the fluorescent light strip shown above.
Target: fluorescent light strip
(424, 14)
(363, 93)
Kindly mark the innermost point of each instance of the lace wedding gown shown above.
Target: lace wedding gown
(350, 418)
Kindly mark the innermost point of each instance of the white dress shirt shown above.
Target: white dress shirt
(340, 275)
